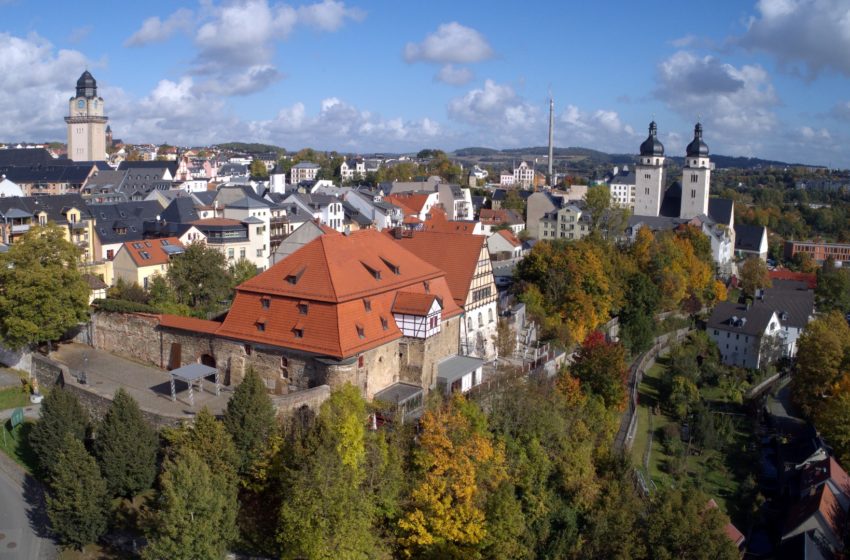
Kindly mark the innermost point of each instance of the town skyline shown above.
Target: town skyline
(349, 77)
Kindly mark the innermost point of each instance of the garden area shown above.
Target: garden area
(693, 427)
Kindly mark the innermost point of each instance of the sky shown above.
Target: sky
(767, 79)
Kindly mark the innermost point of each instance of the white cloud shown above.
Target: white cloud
(454, 75)
(736, 104)
(841, 110)
(35, 101)
(451, 43)
(154, 30)
(806, 36)
(328, 15)
(339, 125)
(79, 34)
(495, 107)
(601, 129)
(810, 133)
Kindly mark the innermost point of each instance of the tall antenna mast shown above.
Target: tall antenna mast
(551, 136)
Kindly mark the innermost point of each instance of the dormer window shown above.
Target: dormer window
(367, 304)
(261, 326)
(298, 333)
(384, 323)
(361, 332)
(393, 267)
(427, 286)
(265, 302)
(376, 274)
(303, 307)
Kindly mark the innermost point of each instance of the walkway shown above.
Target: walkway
(150, 386)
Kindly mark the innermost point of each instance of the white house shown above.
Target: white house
(524, 175)
(350, 169)
(459, 374)
(748, 336)
(303, 171)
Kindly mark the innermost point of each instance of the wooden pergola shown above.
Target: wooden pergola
(191, 374)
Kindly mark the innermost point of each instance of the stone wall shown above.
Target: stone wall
(47, 372)
(309, 398)
(419, 357)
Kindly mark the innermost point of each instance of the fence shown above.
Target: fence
(628, 425)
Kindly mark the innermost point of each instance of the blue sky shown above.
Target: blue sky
(767, 78)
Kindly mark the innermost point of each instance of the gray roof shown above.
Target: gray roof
(748, 238)
(720, 209)
(16, 213)
(793, 302)
(452, 369)
(737, 317)
(127, 216)
(192, 372)
(249, 202)
(252, 220)
(306, 165)
(397, 393)
(623, 179)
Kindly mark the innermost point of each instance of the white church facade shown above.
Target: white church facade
(86, 122)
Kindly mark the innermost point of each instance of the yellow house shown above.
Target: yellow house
(137, 261)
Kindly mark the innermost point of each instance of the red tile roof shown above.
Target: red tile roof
(333, 296)
(510, 237)
(189, 324)
(785, 274)
(410, 201)
(438, 221)
(455, 254)
(822, 502)
(408, 303)
(732, 532)
(149, 252)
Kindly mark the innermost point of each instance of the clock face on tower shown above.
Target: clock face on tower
(80, 104)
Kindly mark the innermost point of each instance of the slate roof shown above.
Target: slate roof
(306, 165)
(748, 238)
(249, 202)
(791, 298)
(25, 157)
(757, 318)
(181, 211)
(623, 179)
(148, 165)
(54, 172)
(721, 209)
(129, 215)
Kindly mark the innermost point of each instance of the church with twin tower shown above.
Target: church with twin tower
(86, 122)
(650, 178)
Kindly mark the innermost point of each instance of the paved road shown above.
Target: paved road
(18, 540)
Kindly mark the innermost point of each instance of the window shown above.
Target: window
(490, 315)
(427, 287)
(302, 308)
(110, 253)
(360, 361)
(298, 333)
(265, 302)
(261, 327)
(469, 323)
(242, 253)
(433, 322)
(361, 332)
(367, 304)
(284, 362)
(693, 193)
(230, 253)
(384, 323)
(480, 319)
(248, 349)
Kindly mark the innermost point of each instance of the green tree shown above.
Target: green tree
(258, 170)
(61, 414)
(209, 439)
(242, 271)
(637, 316)
(513, 201)
(505, 338)
(823, 356)
(679, 524)
(42, 294)
(601, 368)
(754, 276)
(327, 510)
(126, 447)
(250, 420)
(195, 513)
(199, 278)
(833, 289)
(162, 296)
(77, 502)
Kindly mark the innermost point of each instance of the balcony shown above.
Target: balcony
(20, 228)
(226, 240)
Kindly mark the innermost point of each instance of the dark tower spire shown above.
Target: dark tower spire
(86, 85)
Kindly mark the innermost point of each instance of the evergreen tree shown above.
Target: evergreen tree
(195, 514)
(61, 414)
(77, 503)
(207, 437)
(126, 447)
(250, 419)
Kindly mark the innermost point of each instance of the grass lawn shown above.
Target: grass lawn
(17, 445)
(717, 474)
(13, 397)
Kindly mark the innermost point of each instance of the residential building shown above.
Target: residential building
(138, 261)
(325, 208)
(118, 223)
(524, 175)
(414, 204)
(465, 260)
(304, 171)
(237, 239)
(86, 122)
(794, 303)
(750, 241)
(622, 187)
(822, 515)
(351, 169)
(571, 221)
(504, 245)
(507, 179)
(493, 219)
(747, 335)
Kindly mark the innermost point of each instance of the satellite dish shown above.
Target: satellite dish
(158, 218)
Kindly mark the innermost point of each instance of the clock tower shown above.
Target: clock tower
(86, 122)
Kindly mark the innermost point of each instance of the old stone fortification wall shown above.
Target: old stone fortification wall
(419, 357)
(309, 398)
(51, 374)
